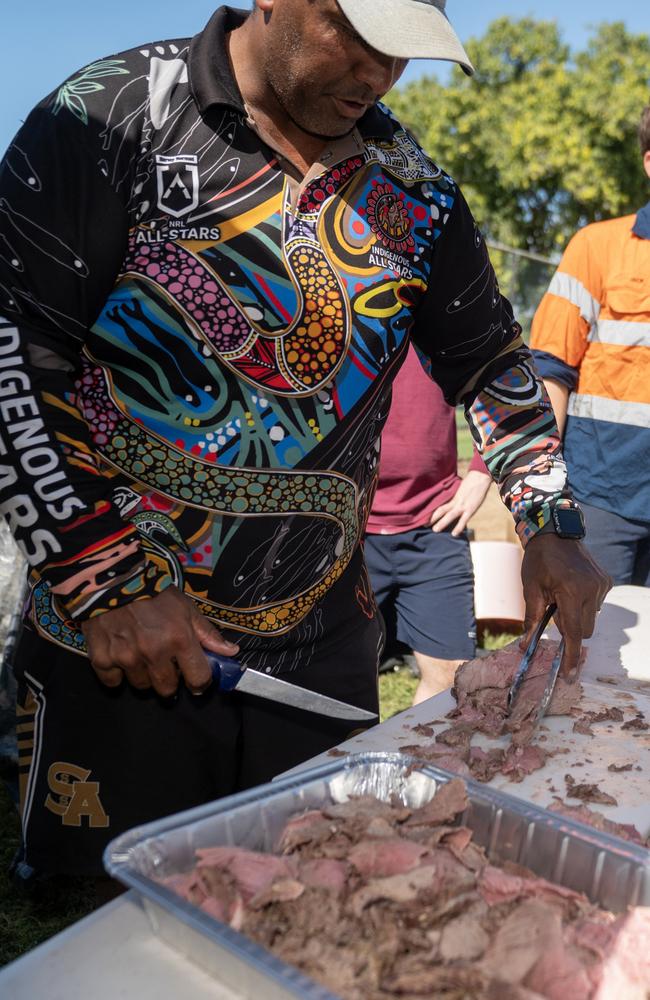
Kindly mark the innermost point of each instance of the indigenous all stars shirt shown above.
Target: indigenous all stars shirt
(196, 352)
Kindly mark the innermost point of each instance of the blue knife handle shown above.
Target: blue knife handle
(226, 673)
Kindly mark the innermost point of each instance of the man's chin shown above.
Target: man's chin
(326, 130)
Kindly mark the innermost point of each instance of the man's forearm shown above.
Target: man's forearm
(514, 427)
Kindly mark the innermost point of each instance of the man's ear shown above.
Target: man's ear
(646, 161)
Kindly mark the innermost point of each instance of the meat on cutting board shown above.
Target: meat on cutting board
(583, 814)
(410, 908)
(481, 689)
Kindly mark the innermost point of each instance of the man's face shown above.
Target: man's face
(320, 70)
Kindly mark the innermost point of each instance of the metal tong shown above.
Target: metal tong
(526, 661)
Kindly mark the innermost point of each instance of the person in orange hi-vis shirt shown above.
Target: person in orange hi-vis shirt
(591, 342)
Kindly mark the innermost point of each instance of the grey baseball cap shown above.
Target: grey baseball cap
(407, 29)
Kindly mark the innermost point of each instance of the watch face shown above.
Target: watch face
(569, 522)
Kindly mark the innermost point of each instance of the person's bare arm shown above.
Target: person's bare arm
(559, 396)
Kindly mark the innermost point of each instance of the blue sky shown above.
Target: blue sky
(46, 40)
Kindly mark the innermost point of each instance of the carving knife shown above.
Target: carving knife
(230, 675)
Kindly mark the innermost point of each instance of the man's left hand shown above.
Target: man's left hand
(561, 571)
(463, 505)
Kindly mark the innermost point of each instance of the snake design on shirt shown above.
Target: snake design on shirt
(294, 361)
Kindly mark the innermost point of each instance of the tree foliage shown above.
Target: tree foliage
(542, 140)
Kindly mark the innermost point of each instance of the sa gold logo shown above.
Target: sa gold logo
(74, 797)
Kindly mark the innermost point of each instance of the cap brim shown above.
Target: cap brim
(406, 29)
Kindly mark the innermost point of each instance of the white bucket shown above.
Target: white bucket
(498, 591)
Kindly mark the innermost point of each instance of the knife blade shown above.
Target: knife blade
(526, 661)
(230, 675)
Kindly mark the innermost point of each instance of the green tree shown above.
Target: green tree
(542, 140)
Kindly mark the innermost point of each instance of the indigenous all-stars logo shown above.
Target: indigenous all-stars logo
(389, 219)
(178, 184)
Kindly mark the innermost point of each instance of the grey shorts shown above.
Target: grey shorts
(424, 587)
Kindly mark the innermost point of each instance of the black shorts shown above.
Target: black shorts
(424, 587)
(95, 762)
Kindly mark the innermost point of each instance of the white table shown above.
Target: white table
(110, 955)
(114, 954)
(619, 650)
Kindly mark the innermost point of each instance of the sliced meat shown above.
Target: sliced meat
(376, 900)
(251, 871)
(282, 890)
(324, 873)
(583, 814)
(437, 981)
(485, 764)
(377, 858)
(498, 886)
(587, 792)
(459, 736)
(561, 973)
(626, 971)
(464, 939)
(520, 761)
(450, 800)
(482, 685)
(532, 930)
(398, 888)
(308, 828)
(437, 755)
(612, 714)
(441, 874)
(368, 808)
(636, 723)
(423, 730)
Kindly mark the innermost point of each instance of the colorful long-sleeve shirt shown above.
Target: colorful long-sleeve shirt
(196, 352)
(591, 334)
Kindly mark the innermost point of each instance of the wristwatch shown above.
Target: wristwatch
(567, 522)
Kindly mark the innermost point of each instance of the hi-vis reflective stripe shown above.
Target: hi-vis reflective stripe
(613, 410)
(620, 331)
(566, 287)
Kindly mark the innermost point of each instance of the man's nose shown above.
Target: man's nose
(379, 72)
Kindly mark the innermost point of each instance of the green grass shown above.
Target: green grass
(489, 641)
(28, 921)
(464, 438)
(396, 690)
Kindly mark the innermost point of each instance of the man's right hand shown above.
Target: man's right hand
(153, 643)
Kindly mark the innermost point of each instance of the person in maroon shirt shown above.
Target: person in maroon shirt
(423, 578)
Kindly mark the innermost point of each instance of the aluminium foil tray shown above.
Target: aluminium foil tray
(610, 871)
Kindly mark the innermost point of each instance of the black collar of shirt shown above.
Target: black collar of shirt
(212, 82)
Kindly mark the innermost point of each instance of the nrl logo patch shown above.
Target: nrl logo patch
(178, 184)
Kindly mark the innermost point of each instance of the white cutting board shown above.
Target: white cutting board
(620, 649)
(587, 757)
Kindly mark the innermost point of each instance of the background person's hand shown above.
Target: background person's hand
(561, 570)
(463, 505)
(153, 643)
